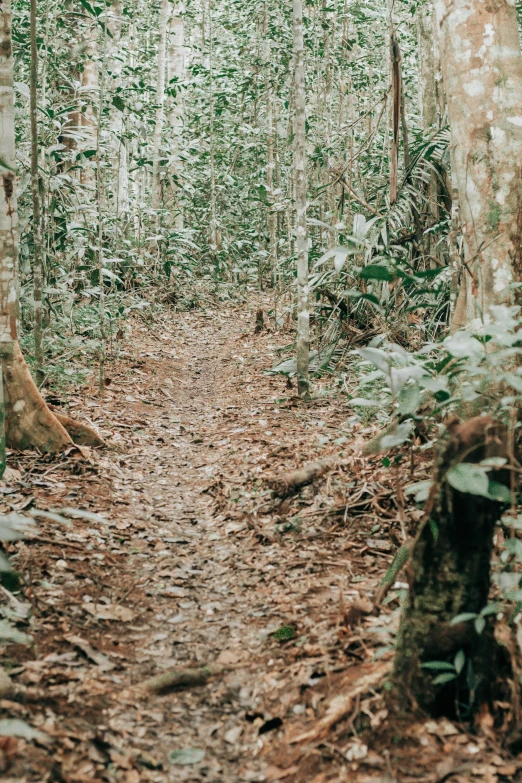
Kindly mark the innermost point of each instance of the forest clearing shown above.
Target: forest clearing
(260, 391)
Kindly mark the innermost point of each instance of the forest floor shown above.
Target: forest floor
(192, 560)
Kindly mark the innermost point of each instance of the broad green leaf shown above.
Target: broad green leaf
(462, 345)
(469, 478)
(377, 272)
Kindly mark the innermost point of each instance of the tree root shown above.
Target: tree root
(29, 423)
(82, 434)
(342, 704)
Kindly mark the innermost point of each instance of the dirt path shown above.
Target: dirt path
(197, 564)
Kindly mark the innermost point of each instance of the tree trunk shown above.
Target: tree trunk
(175, 76)
(450, 575)
(37, 212)
(160, 104)
(303, 294)
(29, 422)
(482, 70)
(89, 89)
(428, 92)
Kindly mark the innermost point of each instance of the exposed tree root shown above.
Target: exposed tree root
(81, 434)
(29, 422)
(342, 704)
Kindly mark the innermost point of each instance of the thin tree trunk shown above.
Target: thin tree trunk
(482, 69)
(270, 160)
(214, 239)
(35, 192)
(396, 98)
(99, 198)
(428, 103)
(303, 295)
(175, 76)
(160, 103)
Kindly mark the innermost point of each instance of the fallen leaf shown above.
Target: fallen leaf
(95, 655)
(13, 727)
(187, 756)
(227, 658)
(110, 612)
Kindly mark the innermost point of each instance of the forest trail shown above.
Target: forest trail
(197, 564)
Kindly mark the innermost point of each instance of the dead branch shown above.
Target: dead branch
(342, 704)
(182, 678)
(290, 482)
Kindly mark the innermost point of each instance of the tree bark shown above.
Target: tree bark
(175, 76)
(428, 92)
(482, 71)
(303, 293)
(28, 421)
(450, 575)
(160, 103)
(35, 192)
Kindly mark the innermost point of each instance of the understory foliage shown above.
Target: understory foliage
(225, 217)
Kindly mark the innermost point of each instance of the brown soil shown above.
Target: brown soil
(200, 562)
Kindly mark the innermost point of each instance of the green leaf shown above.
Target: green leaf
(440, 666)
(460, 660)
(499, 492)
(118, 102)
(377, 272)
(8, 633)
(464, 618)
(401, 558)
(442, 679)
(469, 478)
(421, 490)
(480, 624)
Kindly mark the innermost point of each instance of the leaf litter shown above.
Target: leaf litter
(211, 611)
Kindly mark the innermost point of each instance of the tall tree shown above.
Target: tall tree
(303, 293)
(37, 211)
(482, 70)
(29, 422)
(160, 103)
(175, 76)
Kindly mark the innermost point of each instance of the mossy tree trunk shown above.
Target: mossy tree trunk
(450, 575)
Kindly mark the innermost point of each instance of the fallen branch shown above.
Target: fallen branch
(342, 704)
(181, 678)
(286, 484)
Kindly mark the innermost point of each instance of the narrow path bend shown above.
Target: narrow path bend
(196, 566)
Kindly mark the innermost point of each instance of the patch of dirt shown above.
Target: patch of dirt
(193, 560)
